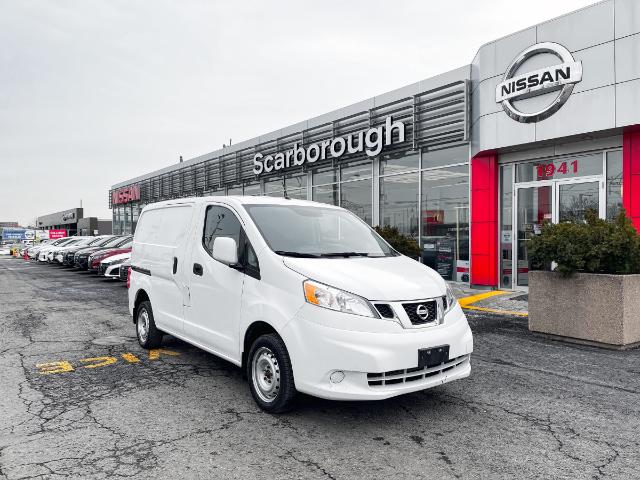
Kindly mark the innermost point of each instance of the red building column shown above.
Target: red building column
(484, 220)
(631, 174)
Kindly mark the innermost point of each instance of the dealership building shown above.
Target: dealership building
(543, 125)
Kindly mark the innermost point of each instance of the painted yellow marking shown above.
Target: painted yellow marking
(101, 361)
(154, 354)
(54, 367)
(130, 357)
(495, 310)
(466, 302)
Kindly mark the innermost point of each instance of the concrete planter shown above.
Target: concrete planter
(586, 308)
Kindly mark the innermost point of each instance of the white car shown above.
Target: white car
(59, 252)
(110, 266)
(52, 252)
(43, 252)
(32, 252)
(303, 296)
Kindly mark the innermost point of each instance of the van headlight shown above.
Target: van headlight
(450, 298)
(338, 300)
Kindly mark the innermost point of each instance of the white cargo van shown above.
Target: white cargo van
(303, 296)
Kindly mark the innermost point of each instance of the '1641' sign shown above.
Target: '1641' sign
(125, 195)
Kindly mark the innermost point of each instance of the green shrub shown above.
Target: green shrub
(402, 243)
(594, 246)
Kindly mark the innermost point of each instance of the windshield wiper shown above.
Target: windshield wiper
(296, 254)
(344, 254)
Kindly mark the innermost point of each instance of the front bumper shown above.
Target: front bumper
(111, 271)
(68, 259)
(375, 365)
(81, 262)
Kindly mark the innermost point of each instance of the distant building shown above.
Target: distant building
(64, 220)
(9, 224)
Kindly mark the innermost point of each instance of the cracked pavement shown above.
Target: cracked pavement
(532, 408)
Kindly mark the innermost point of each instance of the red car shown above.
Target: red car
(96, 257)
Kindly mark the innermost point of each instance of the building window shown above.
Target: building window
(274, 187)
(252, 189)
(506, 227)
(447, 156)
(127, 219)
(356, 189)
(614, 183)
(445, 221)
(297, 186)
(322, 190)
(399, 203)
(235, 190)
(326, 194)
(399, 162)
(560, 169)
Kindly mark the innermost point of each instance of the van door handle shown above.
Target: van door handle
(175, 265)
(197, 269)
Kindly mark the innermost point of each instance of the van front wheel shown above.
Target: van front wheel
(270, 374)
(148, 335)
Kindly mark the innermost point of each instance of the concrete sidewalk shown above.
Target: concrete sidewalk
(502, 302)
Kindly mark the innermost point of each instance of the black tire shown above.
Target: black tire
(153, 338)
(272, 350)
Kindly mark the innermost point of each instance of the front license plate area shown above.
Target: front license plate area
(432, 357)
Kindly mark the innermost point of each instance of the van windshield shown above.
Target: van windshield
(316, 232)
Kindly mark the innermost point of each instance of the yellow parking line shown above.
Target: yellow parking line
(495, 310)
(465, 302)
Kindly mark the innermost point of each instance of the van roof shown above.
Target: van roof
(240, 200)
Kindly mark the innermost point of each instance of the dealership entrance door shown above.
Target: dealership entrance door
(551, 201)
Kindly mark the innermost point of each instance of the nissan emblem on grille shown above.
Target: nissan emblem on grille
(422, 311)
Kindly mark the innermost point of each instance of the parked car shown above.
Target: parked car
(44, 251)
(81, 258)
(283, 287)
(59, 252)
(32, 251)
(68, 259)
(110, 266)
(51, 252)
(125, 271)
(96, 257)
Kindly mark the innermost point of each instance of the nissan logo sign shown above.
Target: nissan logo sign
(422, 311)
(561, 77)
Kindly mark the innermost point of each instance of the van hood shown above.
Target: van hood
(386, 278)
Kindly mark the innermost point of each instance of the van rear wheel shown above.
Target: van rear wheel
(270, 374)
(148, 335)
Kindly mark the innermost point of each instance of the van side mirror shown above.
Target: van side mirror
(225, 250)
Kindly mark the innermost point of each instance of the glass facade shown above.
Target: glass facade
(399, 200)
(425, 194)
(445, 221)
(557, 189)
(614, 183)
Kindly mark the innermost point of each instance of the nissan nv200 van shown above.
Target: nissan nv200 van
(305, 297)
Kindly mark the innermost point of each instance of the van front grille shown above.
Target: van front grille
(414, 312)
(408, 375)
(385, 310)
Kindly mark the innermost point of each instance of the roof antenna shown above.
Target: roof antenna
(284, 187)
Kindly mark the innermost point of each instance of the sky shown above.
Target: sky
(94, 92)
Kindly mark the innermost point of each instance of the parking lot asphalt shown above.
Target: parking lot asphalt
(80, 399)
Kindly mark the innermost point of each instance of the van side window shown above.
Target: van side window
(221, 222)
(252, 258)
